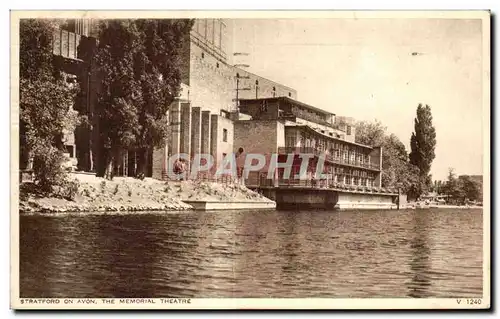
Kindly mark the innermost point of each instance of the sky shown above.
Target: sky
(366, 69)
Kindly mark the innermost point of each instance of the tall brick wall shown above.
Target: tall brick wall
(258, 137)
(218, 145)
(212, 84)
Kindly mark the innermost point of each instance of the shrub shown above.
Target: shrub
(86, 193)
(67, 189)
(47, 167)
(103, 186)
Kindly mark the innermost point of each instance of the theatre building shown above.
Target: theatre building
(201, 118)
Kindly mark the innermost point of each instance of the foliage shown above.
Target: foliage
(116, 110)
(67, 189)
(462, 188)
(470, 189)
(45, 104)
(35, 48)
(370, 133)
(423, 145)
(396, 169)
(157, 70)
(139, 62)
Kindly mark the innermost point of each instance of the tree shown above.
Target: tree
(423, 144)
(117, 101)
(396, 169)
(370, 133)
(438, 184)
(46, 96)
(157, 71)
(139, 61)
(453, 187)
(471, 189)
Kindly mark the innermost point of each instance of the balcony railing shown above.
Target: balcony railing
(264, 181)
(328, 157)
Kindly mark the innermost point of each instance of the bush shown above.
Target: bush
(47, 167)
(69, 189)
(103, 186)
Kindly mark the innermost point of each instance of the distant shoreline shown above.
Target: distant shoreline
(441, 206)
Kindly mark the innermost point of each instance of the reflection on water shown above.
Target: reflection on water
(422, 253)
(420, 262)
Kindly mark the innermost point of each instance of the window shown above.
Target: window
(289, 94)
(224, 135)
(348, 130)
(217, 64)
(224, 114)
(202, 55)
(290, 141)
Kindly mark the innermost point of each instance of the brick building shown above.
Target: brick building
(286, 126)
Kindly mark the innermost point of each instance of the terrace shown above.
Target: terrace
(328, 157)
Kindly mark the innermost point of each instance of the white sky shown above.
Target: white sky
(364, 68)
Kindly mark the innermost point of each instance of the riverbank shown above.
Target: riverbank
(130, 194)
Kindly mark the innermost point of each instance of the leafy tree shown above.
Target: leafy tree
(157, 72)
(470, 189)
(438, 187)
(423, 144)
(453, 188)
(45, 103)
(370, 133)
(139, 62)
(396, 169)
(119, 96)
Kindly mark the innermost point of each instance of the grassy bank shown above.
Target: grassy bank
(129, 194)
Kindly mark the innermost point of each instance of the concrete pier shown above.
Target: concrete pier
(328, 199)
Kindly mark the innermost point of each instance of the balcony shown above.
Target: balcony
(328, 157)
(325, 184)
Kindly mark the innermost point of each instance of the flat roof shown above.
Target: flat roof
(292, 101)
(307, 127)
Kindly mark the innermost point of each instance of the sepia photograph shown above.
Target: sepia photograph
(250, 160)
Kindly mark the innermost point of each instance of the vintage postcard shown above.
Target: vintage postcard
(250, 160)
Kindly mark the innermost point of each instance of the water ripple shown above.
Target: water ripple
(429, 253)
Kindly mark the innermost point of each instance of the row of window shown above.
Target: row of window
(324, 145)
(353, 172)
(357, 181)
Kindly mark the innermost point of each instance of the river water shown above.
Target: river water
(416, 253)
